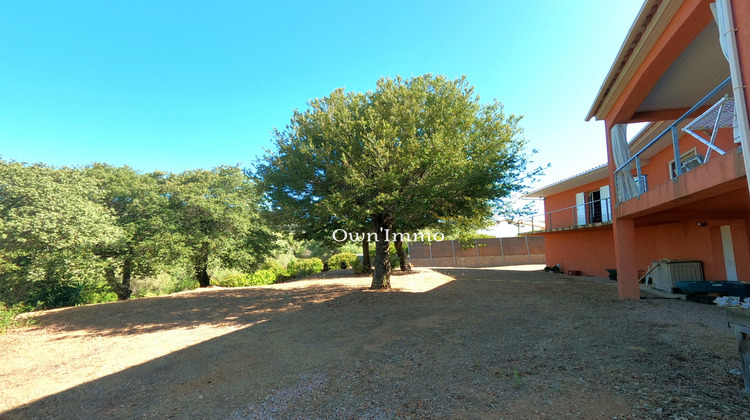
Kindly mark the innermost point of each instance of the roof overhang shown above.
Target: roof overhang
(646, 135)
(691, 72)
(592, 175)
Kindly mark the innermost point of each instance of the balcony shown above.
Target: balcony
(703, 128)
(587, 215)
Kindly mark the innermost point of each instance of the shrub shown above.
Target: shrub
(275, 267)
(342, 261)
(98, 294)
(232, 280)
(304, 267)
(258, 278)
(50, 295)
(262, 277)
(177, 280)
(9, 317)
(357, 265)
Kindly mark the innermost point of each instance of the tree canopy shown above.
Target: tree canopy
(414, 153)
(218, 219)
(64, 231)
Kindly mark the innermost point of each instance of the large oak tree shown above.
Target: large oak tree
(414, 152)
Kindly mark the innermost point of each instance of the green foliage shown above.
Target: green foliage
(50, 225)
(358, 266)
(414, 153)
(71, 236)
(150, 239)
(304, 267)
(176, 280)
(276, 268)
(233, 280)
(9, 317)
(392, 255)
(258, 278)
(342, 260)
(467, 239)
(218, 218)
(58, 295)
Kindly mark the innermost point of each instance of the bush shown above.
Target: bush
(262, 278)
(49, 295)
(232, 280)
(98, 294)
(177, 280)
(357, 265)
(342, 261)
(304, 267)
(275, 267)
(9, 317)
(258, 278)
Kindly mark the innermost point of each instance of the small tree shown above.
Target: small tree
(218, 216)
(418, 151)
(141, 210)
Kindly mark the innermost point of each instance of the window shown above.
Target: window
(593, 207)
(688, 160)
(643, 181)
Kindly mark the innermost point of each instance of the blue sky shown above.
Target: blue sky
(177, 85)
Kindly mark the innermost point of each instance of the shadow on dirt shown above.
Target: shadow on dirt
(353, 353)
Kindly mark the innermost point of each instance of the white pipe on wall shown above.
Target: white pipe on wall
(725, 8)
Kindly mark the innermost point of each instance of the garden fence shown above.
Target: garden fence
(485, 252)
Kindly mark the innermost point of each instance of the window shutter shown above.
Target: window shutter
(606, 205)
(580, 209)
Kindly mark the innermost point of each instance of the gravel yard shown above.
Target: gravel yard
(451, 343)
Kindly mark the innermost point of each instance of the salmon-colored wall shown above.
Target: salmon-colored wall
(657, 169)
(565, 200)
(589, 251)
(681, 241)
(592, 251)
(686, 240)
(687, 23)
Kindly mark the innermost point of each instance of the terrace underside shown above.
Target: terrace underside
(714, 190)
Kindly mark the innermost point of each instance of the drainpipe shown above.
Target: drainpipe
(737, 85)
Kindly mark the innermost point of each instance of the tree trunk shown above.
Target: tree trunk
(366, 263)
(401, 254)
(124, 291)
(201, 266)
(201, 274)
(111, 276)
(381, 277)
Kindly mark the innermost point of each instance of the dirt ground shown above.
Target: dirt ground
(458, 343)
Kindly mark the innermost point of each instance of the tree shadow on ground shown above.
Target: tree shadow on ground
(488, 347)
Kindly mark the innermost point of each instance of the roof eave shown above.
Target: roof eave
(625, 59)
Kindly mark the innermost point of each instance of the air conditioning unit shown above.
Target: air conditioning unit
(670, 271)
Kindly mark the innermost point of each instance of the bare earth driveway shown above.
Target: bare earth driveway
(458, 343)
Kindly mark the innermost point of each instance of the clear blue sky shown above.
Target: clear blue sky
(176, 85)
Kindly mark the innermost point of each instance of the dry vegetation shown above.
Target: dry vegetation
(489, 344)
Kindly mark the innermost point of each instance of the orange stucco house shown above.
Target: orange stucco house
(679, 189)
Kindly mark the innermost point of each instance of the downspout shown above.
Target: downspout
(737, 85)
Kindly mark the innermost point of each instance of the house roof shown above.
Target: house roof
(640, 39)
(648, 133)
(683, 79)
(591, 175)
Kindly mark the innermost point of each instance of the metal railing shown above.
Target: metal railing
(581, 216)
(672, 129)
